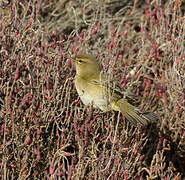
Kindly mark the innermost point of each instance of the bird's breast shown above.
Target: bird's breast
(91, 93)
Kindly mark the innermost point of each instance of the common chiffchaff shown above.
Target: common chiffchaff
(91, 89)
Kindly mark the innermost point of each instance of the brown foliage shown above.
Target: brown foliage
(47, 133)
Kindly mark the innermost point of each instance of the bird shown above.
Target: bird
(92, 89)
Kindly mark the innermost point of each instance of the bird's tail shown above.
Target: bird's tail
(132, 114)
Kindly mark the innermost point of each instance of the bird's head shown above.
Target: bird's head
(86, 66)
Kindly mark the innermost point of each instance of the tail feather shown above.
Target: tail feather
(152, 117)
(135, 119)
(131, 113)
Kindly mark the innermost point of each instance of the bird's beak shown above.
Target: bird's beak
(74, 62)
(74, 59)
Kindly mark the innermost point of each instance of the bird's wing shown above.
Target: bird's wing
(113, 89)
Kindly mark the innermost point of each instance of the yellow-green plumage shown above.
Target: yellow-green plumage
(91, 89)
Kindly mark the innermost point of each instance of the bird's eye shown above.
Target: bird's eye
(80, 61)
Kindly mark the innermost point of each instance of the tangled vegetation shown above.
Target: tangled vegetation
(46, 131)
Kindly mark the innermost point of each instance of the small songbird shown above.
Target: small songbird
(92, 89)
